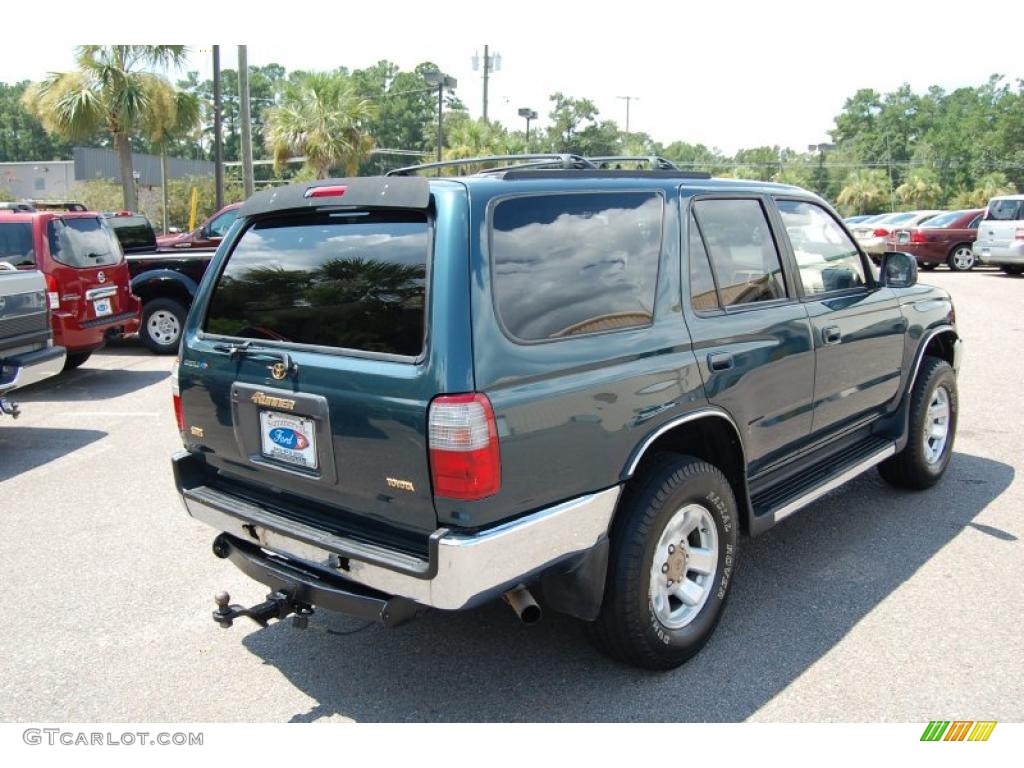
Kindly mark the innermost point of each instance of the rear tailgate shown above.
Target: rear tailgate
(319, 337)
(90, 271)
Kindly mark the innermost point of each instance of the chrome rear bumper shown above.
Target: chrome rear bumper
(30, 367)
(461, 570)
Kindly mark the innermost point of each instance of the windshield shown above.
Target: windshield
(83, 243)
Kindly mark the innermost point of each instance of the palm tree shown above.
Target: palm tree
(865, 191)
(324, 119)
(921, 189)
(474, 138)
(110, 91)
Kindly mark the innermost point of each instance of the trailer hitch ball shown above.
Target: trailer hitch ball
(223, 614)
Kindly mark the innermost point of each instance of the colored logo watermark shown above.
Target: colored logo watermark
(958, 730)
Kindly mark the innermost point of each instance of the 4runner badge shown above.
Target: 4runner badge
(274, 402)
(278, 370)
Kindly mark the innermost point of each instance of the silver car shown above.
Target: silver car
(1001, 234)
(872, 234)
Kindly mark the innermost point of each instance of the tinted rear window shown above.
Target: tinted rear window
(135, 233)
(335, 280)
(16, 246)
(566, 265)
(83, 243)
(942, 220)
(1003, 210)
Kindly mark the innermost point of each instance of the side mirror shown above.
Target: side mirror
(203, 233)
(899, 270)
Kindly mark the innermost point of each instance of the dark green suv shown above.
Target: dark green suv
(402, 392)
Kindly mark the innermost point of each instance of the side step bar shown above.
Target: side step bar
(778, 502)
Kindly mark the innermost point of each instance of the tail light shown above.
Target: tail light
(179, 416)
(52, 293)
(1019, 235)
(881, 232)
(918, 237)
(463, 443)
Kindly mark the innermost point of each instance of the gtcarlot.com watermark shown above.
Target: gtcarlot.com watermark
(59, 737)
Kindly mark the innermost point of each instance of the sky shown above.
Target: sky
(726, 74)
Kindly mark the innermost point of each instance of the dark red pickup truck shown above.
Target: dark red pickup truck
(87, 281)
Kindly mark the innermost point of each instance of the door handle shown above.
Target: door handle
(831, 334)
(720, 362)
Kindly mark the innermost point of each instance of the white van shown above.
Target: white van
(1001, 234)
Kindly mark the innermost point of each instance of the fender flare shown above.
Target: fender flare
(162, 276)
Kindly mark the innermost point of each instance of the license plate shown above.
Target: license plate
(102, 307)
(289, 439)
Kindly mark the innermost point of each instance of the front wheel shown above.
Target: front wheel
(934, 405)
(961, 258)
(673, 551)
(162, 323)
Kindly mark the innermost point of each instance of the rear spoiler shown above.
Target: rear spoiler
(361, 192)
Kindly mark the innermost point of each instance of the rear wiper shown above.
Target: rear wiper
(238, 351)
(235, 351)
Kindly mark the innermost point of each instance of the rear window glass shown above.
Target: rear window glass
(135, 233)
(16, 247)
(330, 279)
(1003, 210)
(566, 265)
(83, 243)
(942, 220)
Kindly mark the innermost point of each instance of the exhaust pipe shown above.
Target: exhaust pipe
(523, 604)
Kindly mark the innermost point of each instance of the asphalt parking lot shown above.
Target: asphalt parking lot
(870, 605)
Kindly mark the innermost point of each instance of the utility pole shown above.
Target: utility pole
(527, 114)
(442, 81)
(628, 99)
(243, 95)
(490, 64)
(218, 148)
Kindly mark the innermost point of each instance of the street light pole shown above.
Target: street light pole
(245, 117)
(442, 81)
(528, 114)
(218, 149)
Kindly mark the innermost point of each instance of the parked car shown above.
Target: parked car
(403, 392)
(165, 281)
(851, 220)
(27, 352)
(1001, 234)
(873, 235)
(85, 273)
(208, 235)
(943, 239)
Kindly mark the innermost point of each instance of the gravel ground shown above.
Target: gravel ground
(870, 605)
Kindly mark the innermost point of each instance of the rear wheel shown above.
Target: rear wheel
(672, 556)
(162, 324)
(1012, 269)
(75, 359)
(961, 258)
(931, 429)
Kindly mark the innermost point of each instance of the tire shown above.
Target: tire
(1012, 269)
(919, 466)
(162, 323)
(75, 359)
(961, 258)
(661, 633)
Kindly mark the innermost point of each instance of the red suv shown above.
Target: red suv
(87, 279)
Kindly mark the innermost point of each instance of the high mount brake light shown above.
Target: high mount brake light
(335, 191)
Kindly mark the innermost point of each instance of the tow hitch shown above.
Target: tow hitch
(9, 407)
(278, 605)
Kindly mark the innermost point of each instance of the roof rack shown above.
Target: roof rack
(563, 160)
(656, 162)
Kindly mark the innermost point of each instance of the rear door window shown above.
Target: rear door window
(573, 264)
(82, 243)
(743, 253)
(16, 245)
(135, 233)
(220, 225)
(345, 280)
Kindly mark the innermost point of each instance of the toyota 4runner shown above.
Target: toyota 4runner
(398, 393)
